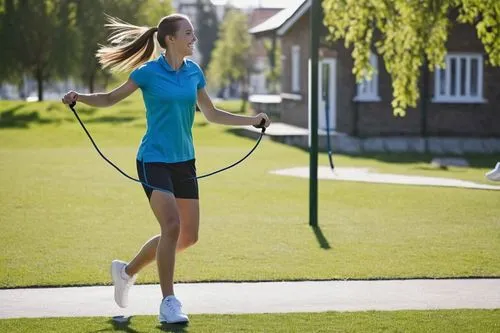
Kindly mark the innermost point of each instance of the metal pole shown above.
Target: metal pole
(424, 97)
(315, 18)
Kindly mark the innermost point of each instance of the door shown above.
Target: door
(327, 113)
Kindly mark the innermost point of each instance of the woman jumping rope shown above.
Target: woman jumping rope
(171, 86)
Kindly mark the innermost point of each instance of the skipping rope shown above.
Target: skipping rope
(328, 136)
(261, 126)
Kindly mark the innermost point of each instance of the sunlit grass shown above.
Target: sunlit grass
(65, 214)
(463, 321)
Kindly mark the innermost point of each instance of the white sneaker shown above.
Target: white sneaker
(171, 311)
(121, 281)
(494, 174)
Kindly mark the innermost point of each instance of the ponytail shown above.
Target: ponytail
(129, 47)
(132, 45)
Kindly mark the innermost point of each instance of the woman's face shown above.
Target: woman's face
(185, 38)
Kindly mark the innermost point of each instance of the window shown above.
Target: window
(295, 68)
(367, 90)
(461, 80)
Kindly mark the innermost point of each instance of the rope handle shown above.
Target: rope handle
(261, 125)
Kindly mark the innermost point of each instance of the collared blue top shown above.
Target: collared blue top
(170, 100)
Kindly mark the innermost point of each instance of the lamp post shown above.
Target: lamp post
(315, 21)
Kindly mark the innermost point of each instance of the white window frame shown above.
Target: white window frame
(458, 97)
(295, 64)
(367, 90)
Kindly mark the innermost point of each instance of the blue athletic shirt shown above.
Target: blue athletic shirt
(170, 100)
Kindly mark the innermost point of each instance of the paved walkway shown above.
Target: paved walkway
(357, 174)
(264, 297)
(370, 176)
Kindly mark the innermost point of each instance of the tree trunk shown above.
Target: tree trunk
(91, 83)
(244, 95)
(39, 81)
(243, 105)
(21, 89)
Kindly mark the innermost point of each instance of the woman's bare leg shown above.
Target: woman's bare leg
(189, 211)
(145, 256)
(165, 209)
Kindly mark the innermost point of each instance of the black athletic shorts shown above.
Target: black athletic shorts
(177, 178)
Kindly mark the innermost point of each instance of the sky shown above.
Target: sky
(255, 3)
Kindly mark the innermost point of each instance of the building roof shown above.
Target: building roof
(259, 15)
(282, 21)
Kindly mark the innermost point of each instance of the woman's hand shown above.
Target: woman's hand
(70, 98)
(261, 118)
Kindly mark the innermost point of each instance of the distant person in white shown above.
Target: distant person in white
(494, 174)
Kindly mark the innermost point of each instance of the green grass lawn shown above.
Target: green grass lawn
(451, 321)
(65, 214)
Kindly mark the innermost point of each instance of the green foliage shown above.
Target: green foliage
(405, 32)
(486, 16)
(273, 74)
(58, 39)
(91, 21)
(40, 37)
(207, 26)
(230, 58)
(66, 41)
(149, 12)
(9, 68)
(91, 31)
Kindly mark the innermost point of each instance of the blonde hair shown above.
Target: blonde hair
(131, 45)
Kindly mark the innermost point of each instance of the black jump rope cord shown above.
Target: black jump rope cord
(261, 125)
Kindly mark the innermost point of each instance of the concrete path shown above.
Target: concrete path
(264, 297)
(370, 176)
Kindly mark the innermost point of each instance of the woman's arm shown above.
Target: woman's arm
(226, 118)
(102, 99)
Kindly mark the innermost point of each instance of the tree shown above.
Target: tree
(65, 43)
(9, 70)
(150, 12)
(407, 34)
(54, 39)
(37, 38)
(93, 33)
(90, 21)
(206, 28)
(231, 56)
(39, 28)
